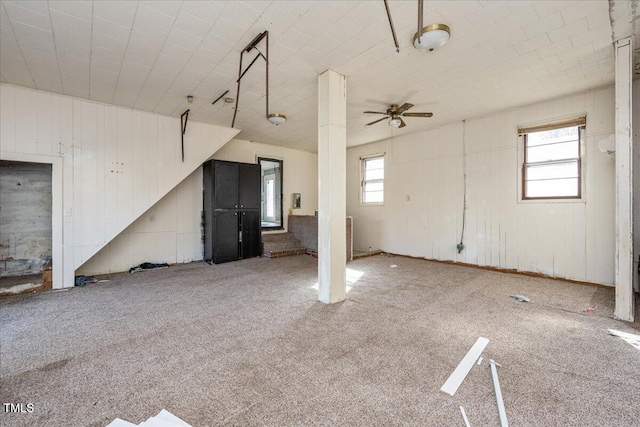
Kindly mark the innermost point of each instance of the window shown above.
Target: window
(271, 209)
(552, 160)
(372, 179)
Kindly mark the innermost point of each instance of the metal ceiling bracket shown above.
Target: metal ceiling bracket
(220, 97)
(184, 117)
(393, 30)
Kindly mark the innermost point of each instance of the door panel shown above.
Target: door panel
(226, 185)
(225, 236)
(249, 181)
(251, 234)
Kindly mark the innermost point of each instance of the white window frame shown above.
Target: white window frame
(363, 161)
(567, 122)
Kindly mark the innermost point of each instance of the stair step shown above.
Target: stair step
(277, 237)
(287, 252)
(281, 246)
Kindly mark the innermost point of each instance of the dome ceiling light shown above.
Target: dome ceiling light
(431, 37)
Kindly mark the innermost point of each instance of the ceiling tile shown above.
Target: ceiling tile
(208, 11)
(192, 24)
(61, 20)
(154, 18)
(119, 12)
(106, 42)
(184, 40)
(568, 31)
(66, 50)
(111, 29)
(144, 32)
(167, 7)
(239, 12)
(27, 31)
(18, 12)
(77, 9)
(276, 19)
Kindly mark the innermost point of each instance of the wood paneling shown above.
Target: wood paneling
(116, 162)
(568, 239)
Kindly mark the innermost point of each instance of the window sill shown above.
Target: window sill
(372, 204)
(534, 201)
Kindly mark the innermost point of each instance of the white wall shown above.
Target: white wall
(566, 239)
(171, 230)
(300, 170)
(110, 164)
(636, 180)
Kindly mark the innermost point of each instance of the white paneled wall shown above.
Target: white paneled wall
(424, 181)
(636, 180)
(168, 232)
(300, 170)
(171, 230)
(115, 162)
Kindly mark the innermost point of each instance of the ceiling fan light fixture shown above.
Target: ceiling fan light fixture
(433, 37)
(395, 122)
(276, 118)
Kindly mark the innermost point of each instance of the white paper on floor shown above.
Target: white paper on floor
(163, 419)
(632, 339)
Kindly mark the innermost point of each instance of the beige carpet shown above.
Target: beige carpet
(247, 343)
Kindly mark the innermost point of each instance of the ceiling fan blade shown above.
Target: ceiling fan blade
(402, 123)
(418, 114)
(404, 108)
(379, 120)
(374, 112)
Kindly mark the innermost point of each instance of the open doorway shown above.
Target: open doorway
(25, 221)
(271, 206)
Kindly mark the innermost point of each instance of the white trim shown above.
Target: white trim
(460, 373)
(583, 172)
(57, 243)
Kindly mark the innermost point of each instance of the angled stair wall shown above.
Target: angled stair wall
(111, 164)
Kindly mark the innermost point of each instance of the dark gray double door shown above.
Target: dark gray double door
(231, 211)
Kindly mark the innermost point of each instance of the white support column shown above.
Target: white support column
(624, 181)
(332, 177)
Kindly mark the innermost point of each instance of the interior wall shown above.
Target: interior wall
(171, 231)
(424, 181)
(25, 217)
(300, 171)
(110, 164)
(636, 181)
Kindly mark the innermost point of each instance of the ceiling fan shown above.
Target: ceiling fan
(396, 113)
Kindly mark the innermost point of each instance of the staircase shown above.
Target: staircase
(281, 244)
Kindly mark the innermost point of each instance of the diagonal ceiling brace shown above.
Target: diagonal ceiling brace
(184, 117)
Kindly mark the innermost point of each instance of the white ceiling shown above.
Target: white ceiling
(150, 55)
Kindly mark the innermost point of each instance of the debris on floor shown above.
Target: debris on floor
(18, 289)
(460, 373)
(393, 266)
(632, 339)
(590, 309)
(83, 280)
(480, 359)
(163, 419)
(520, 298)
(464, 417)
(496, 386)
(147, 266)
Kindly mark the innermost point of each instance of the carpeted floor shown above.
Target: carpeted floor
(248, 344)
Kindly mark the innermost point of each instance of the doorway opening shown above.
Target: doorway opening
(25, 222)
(271, 187)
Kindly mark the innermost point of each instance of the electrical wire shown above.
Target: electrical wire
(464, 180)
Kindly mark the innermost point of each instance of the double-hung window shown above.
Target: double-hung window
(552, 165)
(372, 180)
